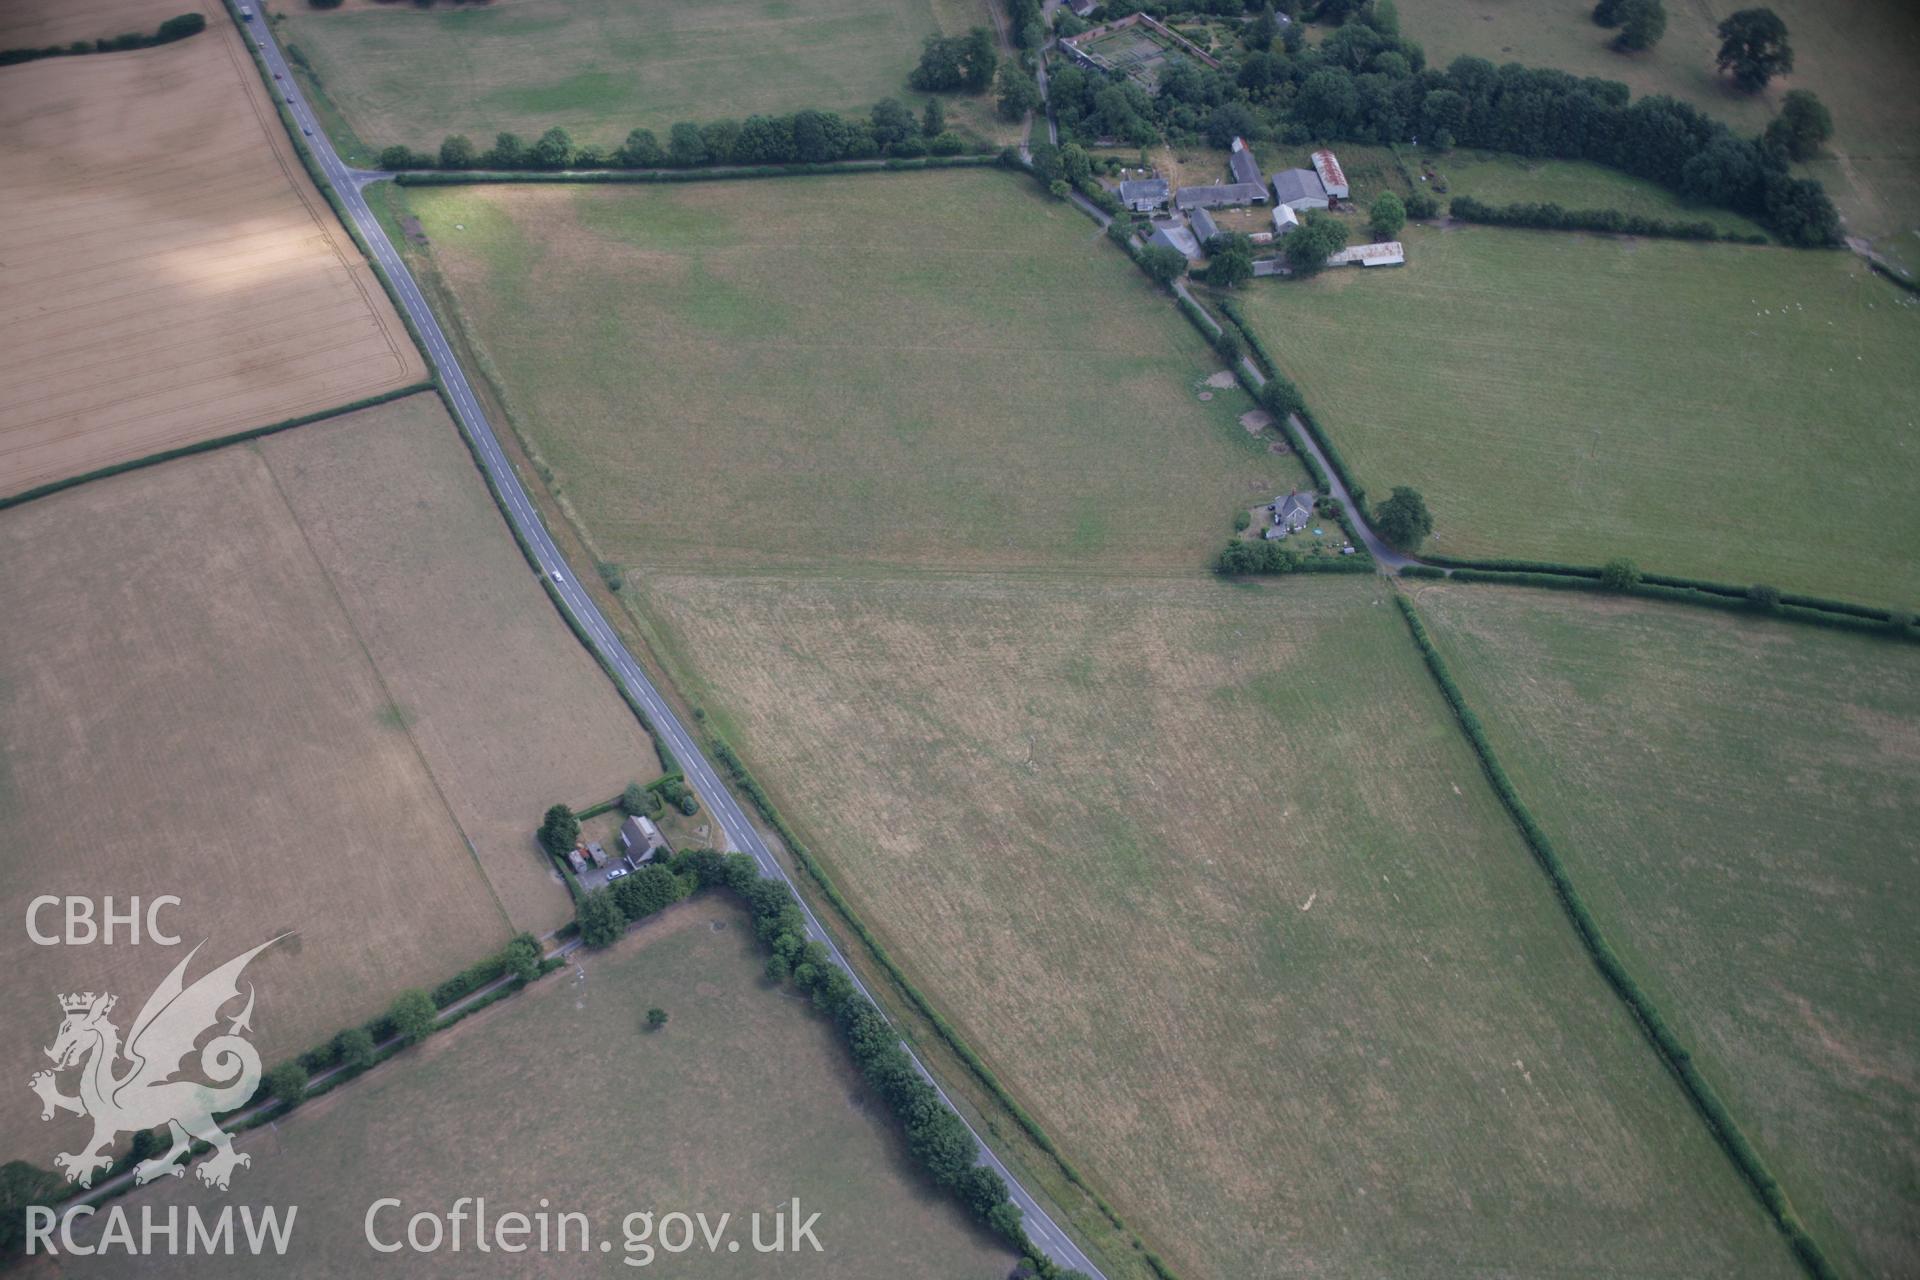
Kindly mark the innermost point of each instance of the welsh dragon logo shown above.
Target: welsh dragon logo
(130, 1089)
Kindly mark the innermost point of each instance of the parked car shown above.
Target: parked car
(616, 873)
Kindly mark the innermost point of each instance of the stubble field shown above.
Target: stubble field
(1717, 411)
(303, 683)
(173, 274)
(511, 712)
(1215, 886)
(1855, 54)
(940, 369)
(599, 68)
(741, 1103)
(36, 24)
(190, 712)
(1737, 801)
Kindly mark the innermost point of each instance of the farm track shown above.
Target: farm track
(349, 184)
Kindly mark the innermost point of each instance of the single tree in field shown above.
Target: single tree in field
(288, 1082)
(1387, 216)
(1620, 574)
(559, 830)
(456, 152)
(656, 1018)
(933, 121)
(1403, 519)
(1163, 264)
(1607, 13)
(1803, 125)
(1642, 23)
(413, 1015)
(1753, 46)
(353, 1048)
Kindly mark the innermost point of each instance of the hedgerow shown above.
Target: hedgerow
(1548, 216)
(1666, 1042)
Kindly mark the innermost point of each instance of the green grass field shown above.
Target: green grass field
(598, 68)
(1853, 53)
(1738, 801)
(1216, 887)
(945, 369)
(741, 1103)
(1721, 411)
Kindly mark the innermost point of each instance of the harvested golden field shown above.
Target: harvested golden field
(739, 1104)
(190, 711)
(510, 712)
(172, 275)
(35, 24)
(1217, 888)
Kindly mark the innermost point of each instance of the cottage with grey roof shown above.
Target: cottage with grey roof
(1291, 512)
(1144, 195)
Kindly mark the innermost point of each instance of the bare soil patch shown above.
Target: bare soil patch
(172, 275)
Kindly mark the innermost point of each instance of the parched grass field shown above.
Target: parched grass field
(189, 711)
(1853, 53)
(1737, 800)
(172, 274)
(1216, 887)
(1735, 413)
(937, 369)
(599, 68)
(741, 1103)
(509, 710)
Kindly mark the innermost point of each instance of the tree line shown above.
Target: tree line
(178, 27)
(890, 129)
(937, 1139)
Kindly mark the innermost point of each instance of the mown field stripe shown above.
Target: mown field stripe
(1706, 1101)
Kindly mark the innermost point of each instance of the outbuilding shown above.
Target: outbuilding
(1299, 190)
(1204, 227)
(1173, 236)
(1332, 178)
(1390, 253)
(1284, 219)
(1223, 196)
(1241, 164)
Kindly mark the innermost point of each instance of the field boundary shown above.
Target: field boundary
(718, 173)
(218, 442)
(1816, 611)
(1678, 1059)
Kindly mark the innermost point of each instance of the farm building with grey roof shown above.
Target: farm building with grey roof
(1219, 197)
(1144, 195)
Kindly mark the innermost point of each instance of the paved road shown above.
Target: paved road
(519, 509)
